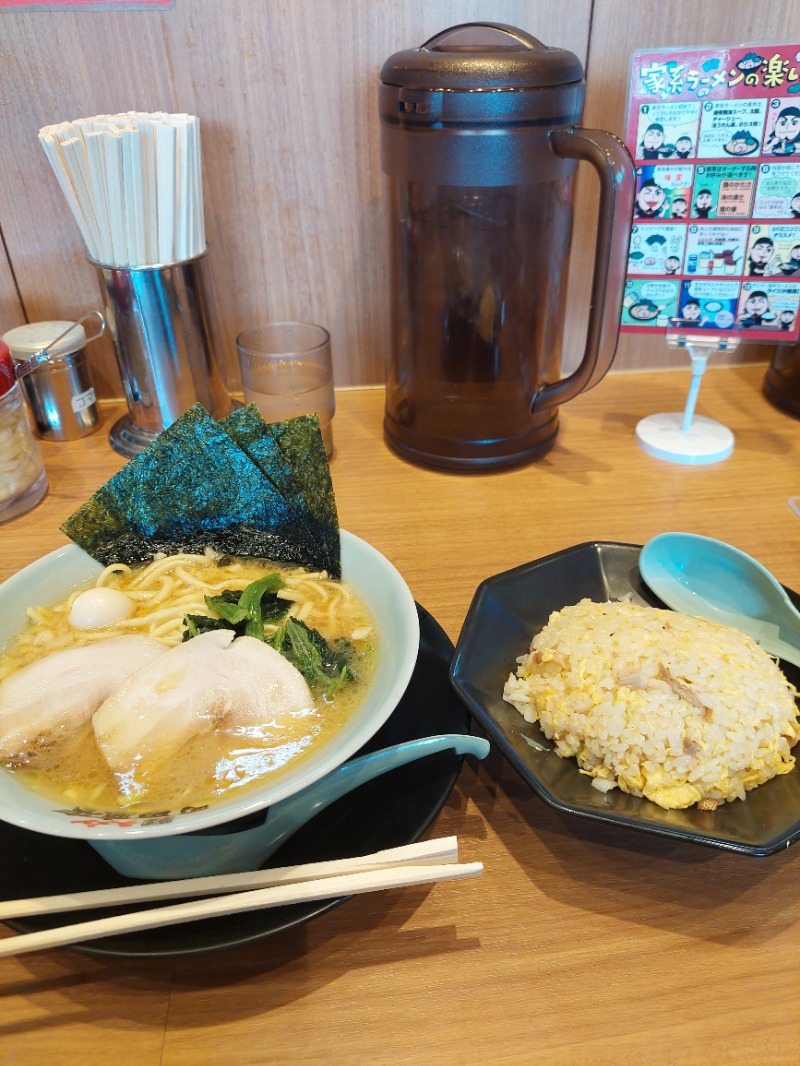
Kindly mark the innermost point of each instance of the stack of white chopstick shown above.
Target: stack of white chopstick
(413, 864)
(133, 182)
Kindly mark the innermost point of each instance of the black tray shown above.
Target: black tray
(391, 810)
(506, 611)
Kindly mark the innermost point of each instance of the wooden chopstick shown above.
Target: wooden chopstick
(133, 182)
(302, 892)
(441, 850)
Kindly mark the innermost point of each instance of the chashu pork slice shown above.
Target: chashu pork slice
(212, 681)
(49, 699)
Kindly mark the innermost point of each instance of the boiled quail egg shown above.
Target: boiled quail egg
(100, 607)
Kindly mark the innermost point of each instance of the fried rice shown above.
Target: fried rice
(677, 709)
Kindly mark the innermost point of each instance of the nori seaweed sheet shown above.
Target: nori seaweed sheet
(292, 455)
(194, 488)
(249, 430)
(300, 440)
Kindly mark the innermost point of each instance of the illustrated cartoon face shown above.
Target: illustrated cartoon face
(761, 251)
(795, 203)
(703, 200)
(794, 255)
(787, 127)
(650, 199)
(756, 304)
(643, 311)
(653, 138)
(679, 207)
(671, 264)
(691, 311)
(786, 318)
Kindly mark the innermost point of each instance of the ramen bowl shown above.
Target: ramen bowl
(381, 588)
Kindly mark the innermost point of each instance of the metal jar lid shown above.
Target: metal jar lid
(25, 341)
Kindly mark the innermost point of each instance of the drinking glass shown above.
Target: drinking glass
(287, 371)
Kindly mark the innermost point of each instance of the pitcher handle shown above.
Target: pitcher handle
(610, 158)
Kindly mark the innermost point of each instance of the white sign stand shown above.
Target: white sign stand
(686, 437)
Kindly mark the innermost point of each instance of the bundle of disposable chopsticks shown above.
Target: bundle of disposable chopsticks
(133, 183)
(413, 864)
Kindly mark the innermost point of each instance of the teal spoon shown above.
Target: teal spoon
(707, 578)
(203, 854)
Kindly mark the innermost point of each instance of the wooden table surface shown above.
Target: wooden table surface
(580, 943)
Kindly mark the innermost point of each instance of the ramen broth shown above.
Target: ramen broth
(74, 771)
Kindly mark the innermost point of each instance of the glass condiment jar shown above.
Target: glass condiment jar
(23, 481)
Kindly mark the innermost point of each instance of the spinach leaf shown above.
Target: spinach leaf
(251, 599)
(231, 613)
(244, 611)
(201, 623)
(326, 667)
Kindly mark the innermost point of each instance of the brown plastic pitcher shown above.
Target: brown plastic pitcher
(480, 139)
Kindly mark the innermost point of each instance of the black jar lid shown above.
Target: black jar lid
(482, 55)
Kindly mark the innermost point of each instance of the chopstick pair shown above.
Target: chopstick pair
(412, 864)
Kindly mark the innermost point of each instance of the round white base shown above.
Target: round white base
(705, 441)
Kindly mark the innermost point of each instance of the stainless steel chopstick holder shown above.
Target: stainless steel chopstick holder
(159, 323)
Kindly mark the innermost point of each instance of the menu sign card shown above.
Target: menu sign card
(715, 242)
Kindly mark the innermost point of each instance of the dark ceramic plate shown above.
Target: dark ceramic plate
(506, 612)
(394, 809)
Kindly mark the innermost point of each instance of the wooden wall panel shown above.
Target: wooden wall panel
(287, 96)
(11, 309)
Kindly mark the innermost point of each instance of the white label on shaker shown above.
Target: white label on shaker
(83, 400)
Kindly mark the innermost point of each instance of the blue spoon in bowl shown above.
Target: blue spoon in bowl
(709, 579)
(224, 852)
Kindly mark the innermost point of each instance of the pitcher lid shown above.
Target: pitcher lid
(488, 55)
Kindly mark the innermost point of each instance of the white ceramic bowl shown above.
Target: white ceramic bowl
(379, 584)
